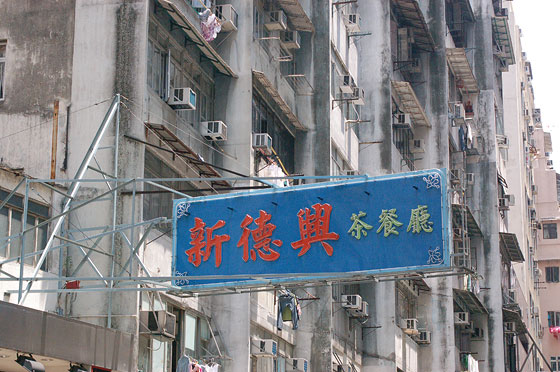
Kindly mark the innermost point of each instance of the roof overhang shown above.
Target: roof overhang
(461, 68)
(472, 225)
(162, 133)
(502, 37)
(194, 35)
(263, 84)
(510, 247)
(470, 300)
(297, 16)
(547, 142)
(406, 98)
(514, 315)
(411, 15)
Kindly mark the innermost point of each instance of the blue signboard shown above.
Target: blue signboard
(361, 226)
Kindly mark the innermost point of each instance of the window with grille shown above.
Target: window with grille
(11, 220)
(549, 231)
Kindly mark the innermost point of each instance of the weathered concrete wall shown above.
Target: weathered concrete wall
(39, 38)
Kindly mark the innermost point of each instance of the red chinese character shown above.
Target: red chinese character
(315, 228)
(262, 237)
(202, 249)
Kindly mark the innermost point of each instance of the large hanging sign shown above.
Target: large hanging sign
(396, 223)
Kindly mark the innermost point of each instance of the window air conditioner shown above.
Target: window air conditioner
(478, 334)
(413, 65)
(503, 204)
(424, 337)
(262, 141)
(213, 130)
(278, 21)
(416, 145)
(410, 326)
(549, 163)
(459, 111)
(297, 364)
(364, 311)
(455, 176)
(402, 121)
(228, 17)
(511, 199)
(352, 22)
(509, 327)
(512, 296)
(350, 172)
(351, 302)
(347, 84)
(358, 95)
(470, 178)
(469, 328)
(182, 99)
(264, 347)
(157, 323)
(461, 318)
(290, 39)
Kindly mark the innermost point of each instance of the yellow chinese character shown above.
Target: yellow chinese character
(419, 220)
(388, 221)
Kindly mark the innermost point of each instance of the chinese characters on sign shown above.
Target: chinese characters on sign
(313, 228)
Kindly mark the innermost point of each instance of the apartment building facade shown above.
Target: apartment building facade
(285, 88)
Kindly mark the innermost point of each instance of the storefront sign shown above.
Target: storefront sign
(394, 223)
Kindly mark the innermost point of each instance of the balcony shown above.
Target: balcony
(502, 37)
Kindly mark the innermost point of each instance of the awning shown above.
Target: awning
(470, 300)
(502, 37)
(164, 134)
(296, 15)
(301, 85)
(547, 142)
(195, 36)
(510, 247)
(472, 225)
(514, 315)
(265, 84)
(461, 68)
(410, 14)
(467, 11)
(408, 102)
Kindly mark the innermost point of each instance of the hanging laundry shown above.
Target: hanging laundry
(288, 310)
(462, 139)
(184, 364)
(469, 135)
(210, 25)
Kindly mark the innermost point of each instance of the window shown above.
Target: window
(549, 231)
(157, 69)
(552, 274)
(555, 363)
(554, 319)
(2, 67)
(11, 218)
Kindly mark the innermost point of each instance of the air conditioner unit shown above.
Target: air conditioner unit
(478, 334)
(352, 22)
(350, 172)
(534, 189)
(351, 302)
(262, 141)
(504, 12)
(470, 178)
(278, 21)
(157, 323)
(424, 337)
(358, 95)
(182, 99)
(297, 364)
(413, 65)
(344, 368)
(503, 204)
(410, 326)
(549, 163)
(227, 15)
(461, 318)
(526, 113)
(416, 145)
(459, 111)
(290, 39)
(213, 130)
(503, 141)
(264, 347)
(512, 295)
(402, 121)
(469, 328)
(511, 199)
(364, 310)
(455, 176)
(346, 84)
(509, 327)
